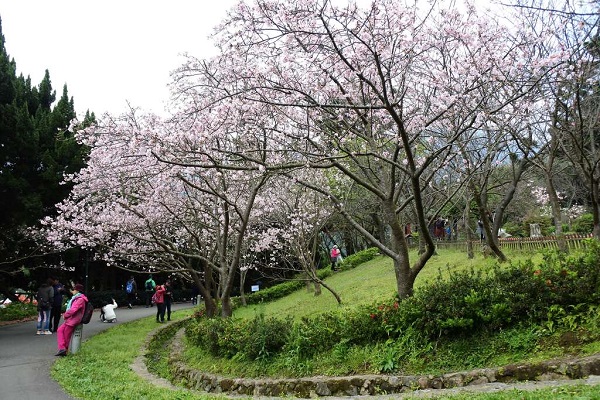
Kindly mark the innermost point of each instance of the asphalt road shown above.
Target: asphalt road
(26, 358)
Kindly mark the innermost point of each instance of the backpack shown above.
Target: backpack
(149, 285)
(129, 286)
(87, 313)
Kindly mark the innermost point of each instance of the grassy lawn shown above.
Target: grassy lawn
(95, 373)
(369, 283)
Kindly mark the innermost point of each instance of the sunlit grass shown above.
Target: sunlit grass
(102, 368)
(371, 282)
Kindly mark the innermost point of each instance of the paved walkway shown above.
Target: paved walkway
(26, 358)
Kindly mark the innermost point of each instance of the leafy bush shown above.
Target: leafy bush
(584, 224)
(516, 229)
(354, 260)
(283, 289)
(467, 303)
(254, 339)
(274, 292)
(522, 228)
(17, 311)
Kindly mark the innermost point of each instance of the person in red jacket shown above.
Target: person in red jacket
(72, 318)
(335, 255)
(159, 299)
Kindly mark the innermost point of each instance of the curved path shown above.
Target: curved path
(26, 358)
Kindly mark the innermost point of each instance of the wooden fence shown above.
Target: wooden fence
(573, 242)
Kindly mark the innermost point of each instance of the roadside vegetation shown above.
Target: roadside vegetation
(464, 315)
(102, 368)
(475, 316)
(17, 311)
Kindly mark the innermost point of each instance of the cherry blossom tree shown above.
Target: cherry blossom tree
(381, 94)
(293, 234)
(131, 204)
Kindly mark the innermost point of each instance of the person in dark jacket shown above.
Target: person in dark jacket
(168, 298)
(131, 289)
(59, 291)
(44, 297)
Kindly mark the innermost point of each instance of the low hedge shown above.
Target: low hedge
(283, 289)
(466, 304)
(17, 311)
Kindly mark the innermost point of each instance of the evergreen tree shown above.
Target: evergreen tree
(36, 150)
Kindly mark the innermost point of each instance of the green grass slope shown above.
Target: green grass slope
(368, 283)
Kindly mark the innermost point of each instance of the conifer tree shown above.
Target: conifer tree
(36, 150)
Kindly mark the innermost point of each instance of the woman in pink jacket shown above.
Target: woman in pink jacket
(159, 297)
(72, 318)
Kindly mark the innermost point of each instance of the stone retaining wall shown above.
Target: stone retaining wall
(376, 384)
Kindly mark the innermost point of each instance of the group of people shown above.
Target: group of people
(443, 229)
(50, 298)
(49, 305)
(336, 257)
(161, 295)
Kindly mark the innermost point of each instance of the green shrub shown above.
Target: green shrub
(354, 260)
(18, 311)
(283, 289)
(459, 307)
(516, 229)
(274, 292)
(584, 224)
(254, 339)
(522, 229)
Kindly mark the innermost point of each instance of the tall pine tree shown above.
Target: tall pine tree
(36, 150)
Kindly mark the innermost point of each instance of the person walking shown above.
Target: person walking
(72, 318)
(44, 297)
(131, 289)
(57, 303)
(195, 294)
(149, 287)
(159, 299)
(168, 298)
(334, 254)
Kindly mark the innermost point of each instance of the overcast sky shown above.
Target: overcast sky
(108, 52)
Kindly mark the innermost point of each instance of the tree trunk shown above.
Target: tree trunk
(595, 195)
(402, 270)
(226, 307)
(242, 283)
(205, 288)
(491, 240)
(317, 284)
(556, 212)
(468, 231)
